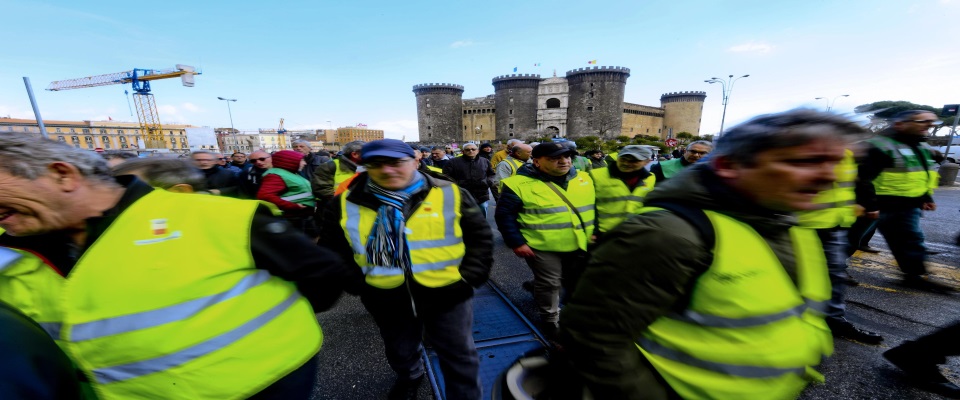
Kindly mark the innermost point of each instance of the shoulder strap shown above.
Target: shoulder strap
(695, 217)
(556, 190)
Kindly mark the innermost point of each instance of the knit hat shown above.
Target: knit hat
(287, 159)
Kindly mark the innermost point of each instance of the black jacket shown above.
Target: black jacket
(223, 180)
(645, 268)
(32, 366)
(313, 161)
(477, 238)
(473, 175)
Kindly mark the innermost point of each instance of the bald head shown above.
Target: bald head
(521, 151)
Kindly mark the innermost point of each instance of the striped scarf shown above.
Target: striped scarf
(387, 244)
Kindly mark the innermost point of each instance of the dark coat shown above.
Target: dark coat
(223, 180)
(473, 175)
(645, 268)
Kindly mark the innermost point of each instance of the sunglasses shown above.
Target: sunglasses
(699, 153)
(260, 159)
(386, 163)
(925, 121)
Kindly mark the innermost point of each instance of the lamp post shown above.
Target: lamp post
(478, 135)
(230, 112)
(727, 86)
(831, 102)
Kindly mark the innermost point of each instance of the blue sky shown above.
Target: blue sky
(355, 62)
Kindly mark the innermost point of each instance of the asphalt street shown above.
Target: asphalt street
(352, 363)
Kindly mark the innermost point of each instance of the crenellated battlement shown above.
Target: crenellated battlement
(683, 97)
(598, 69)
(516, 76)
(690, 93)
(425, 87)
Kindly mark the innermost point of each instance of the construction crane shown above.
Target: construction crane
(280, 129)
(140, 79)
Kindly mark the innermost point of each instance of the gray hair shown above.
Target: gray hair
(909, 114)
(797, 127)
(193, 153)
(513, 142)
(28, 157)
(301, 141)
(164, 172)
(700, 143)
(118, 155)
(352, 147)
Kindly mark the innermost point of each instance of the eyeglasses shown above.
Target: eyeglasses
(260, 159)
(394, 162)
(469, 149)
(204, 160)
(222, 158)
(699, 153)
(925, 121)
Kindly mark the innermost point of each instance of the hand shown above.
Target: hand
(858, 210)
(872, 214)
(523, 251)
(931, 206)
(593, 238)
(301, 206)
(215, 192)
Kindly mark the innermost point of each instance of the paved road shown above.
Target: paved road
(353, 367)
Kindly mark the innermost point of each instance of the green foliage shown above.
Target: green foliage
(685, 135)
(588, 143)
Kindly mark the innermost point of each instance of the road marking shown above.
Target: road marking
(884, 263)
(885, 289)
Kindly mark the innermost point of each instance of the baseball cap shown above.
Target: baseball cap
(638, 152)
(551, 149)
(390, 148)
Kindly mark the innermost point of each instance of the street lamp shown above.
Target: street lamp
(727, 86)
(230, 112)
(831, 102)
(478, 135)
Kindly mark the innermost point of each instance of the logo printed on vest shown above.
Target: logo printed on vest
(159, 227)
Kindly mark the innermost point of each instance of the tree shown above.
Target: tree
(685, 137)
(881, 112)
(589, 143)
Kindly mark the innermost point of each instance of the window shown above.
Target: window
(511, 112)
(120, 131)
(589, 108)
(591, 94)
(428, 127)
(105, 140)
(511, 126)
(58, 130)
(123, 139)
(553, 103)
(511, 133)
(61, 139)
(72, 130)
(103, 130)
(85, 130)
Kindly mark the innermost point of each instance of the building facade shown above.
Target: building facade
(586, 101)
(99, 135)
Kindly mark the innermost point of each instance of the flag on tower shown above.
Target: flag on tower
(514, 69)
(592, 62)
(536, 65)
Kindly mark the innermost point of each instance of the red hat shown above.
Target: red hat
(287, 159)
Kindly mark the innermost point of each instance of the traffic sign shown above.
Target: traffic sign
(671, 142)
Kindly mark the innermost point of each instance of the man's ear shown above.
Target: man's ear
(180, 188)
(725, 167)
(66, 175)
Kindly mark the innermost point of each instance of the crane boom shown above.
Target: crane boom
(136, 74)
(140, 79)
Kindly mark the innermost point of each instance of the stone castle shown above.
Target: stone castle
(588, 101)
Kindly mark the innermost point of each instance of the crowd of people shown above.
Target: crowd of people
(738, 293)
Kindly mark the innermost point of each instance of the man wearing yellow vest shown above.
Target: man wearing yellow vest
(546, 215)
(516, 158)
(714, 292)
(160, 294)
(422, 246)
(328, 176)
(621, 187)
(896, 181)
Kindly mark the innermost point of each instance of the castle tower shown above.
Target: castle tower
(596, 101)
(516, 104)
(439, 112)
(681, 113)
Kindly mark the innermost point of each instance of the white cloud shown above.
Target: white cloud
(461, 43)
(751, 47)
(15, 112)
(191, 107)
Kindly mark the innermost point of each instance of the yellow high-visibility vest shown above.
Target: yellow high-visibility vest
(615, 201)
(32, 286)
(433, 235)
(908, 177)
(837, 205)
(546, 221)
(168, 303)
(748, 332)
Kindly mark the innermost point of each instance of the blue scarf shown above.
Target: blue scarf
(387, 244)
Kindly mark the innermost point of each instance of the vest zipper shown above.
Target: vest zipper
(408, 274)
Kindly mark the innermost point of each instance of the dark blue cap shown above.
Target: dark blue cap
(390, 148)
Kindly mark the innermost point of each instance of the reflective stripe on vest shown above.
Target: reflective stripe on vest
(908, 177)
(745, 299)
(545, 220)
(435, 253)
(8, 258)
(615, 201)
(211, 324)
